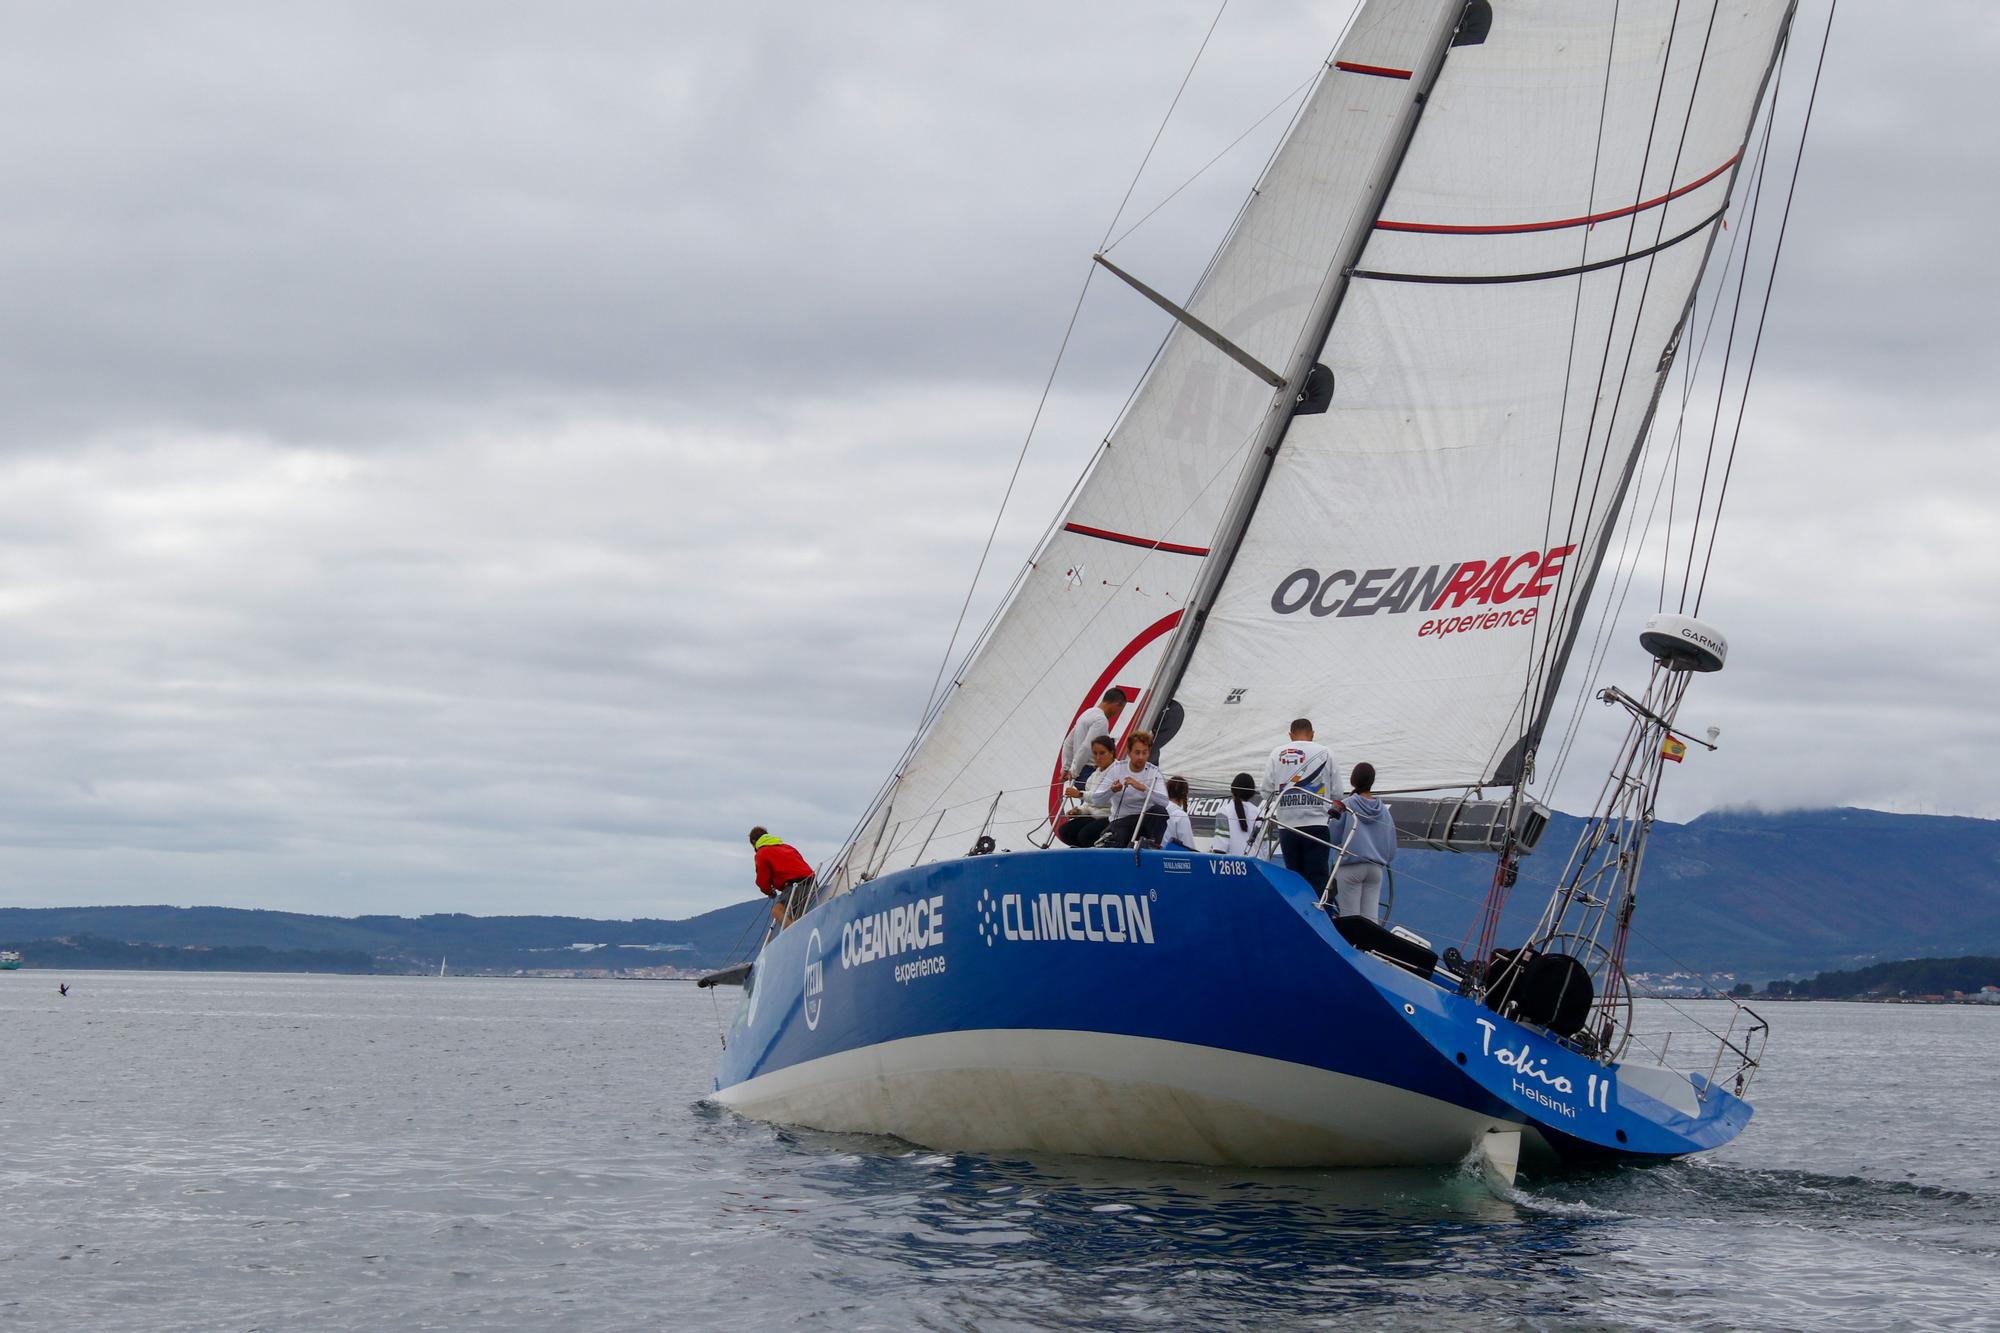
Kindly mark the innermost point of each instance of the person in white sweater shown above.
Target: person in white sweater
(1088, 819)
(1101, 720)
(1179, 835)
(1138, 795)
(1242, 818)
(1297, 783)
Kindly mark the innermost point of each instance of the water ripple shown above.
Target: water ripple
(191, 1152)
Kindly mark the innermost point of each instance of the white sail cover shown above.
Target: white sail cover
(1423, 548)
(1107, 589)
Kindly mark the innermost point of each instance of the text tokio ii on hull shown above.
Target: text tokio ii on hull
(1374, 474)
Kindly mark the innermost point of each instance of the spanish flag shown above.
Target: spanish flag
(1672, 749)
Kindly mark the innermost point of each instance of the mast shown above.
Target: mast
(1300, 379)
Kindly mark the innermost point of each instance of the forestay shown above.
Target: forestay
(1418, 563)
(1107, 588)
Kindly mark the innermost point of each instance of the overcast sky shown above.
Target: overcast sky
(459, 457)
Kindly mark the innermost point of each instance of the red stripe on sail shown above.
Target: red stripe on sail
(1589, 219)
(1105, 534)
(1096, 692)
(1379, 71)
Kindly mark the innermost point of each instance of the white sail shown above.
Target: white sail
(1107, 589)
(1422, 550)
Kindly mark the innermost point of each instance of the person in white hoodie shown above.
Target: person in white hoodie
(1365, 834)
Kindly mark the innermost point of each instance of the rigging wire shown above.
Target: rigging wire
(1530, 685)
(1048, 385)
(935, 700)
(1203, 169)
(1622, 576)
(1721, 395)
(1552, 649)
(1020, 457)
(1083, 477)
(1567, 606)
(1113, 225)
(1680, 427)
(1764, 311)
(1055, 659)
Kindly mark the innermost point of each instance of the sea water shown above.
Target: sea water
(262, 1152)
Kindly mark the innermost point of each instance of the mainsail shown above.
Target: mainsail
(1105, 592)
(1412, 571)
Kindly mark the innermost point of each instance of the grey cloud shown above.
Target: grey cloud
(481, 459)
(235, 216)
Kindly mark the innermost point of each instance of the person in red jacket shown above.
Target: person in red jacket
(781, 873)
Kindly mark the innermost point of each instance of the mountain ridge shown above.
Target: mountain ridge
(1743, 892)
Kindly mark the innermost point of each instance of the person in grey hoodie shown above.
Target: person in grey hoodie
(1365, 838)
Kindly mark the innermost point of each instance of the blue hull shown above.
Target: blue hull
(1161, 1006)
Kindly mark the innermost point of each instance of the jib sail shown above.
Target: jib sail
(1412, 570)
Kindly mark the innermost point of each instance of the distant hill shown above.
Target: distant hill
(1757, 895)
(1764, 894)
(1911, 977)
(370, 943)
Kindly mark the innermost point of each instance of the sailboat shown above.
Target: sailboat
(1373, 474)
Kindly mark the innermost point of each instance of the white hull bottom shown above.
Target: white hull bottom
(1100, 1095)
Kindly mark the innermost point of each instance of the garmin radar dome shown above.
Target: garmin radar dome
(1682, 643)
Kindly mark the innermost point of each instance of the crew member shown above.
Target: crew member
(1086, 822)
(1179, 834)
(782, 874)
(1101, 720)
(1295, 783)
(1242, 818)
(1138, 796)
(1366, 834)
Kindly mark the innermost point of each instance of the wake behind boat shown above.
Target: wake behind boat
(1467, 273)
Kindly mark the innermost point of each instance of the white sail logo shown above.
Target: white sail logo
(1092, 918)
